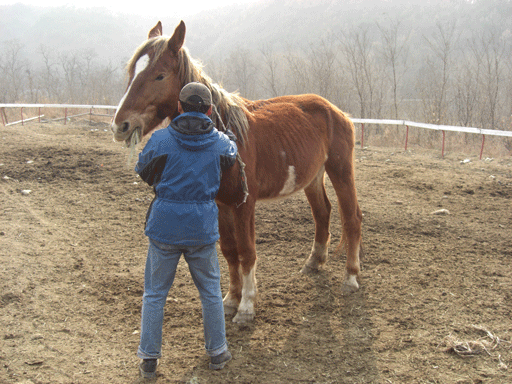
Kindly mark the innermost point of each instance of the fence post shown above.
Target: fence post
(65, 116)
(482, 149)
(442, 150)
(22, 116)
(362, 135)
(2, 112)
(406, 136)
(39, 120)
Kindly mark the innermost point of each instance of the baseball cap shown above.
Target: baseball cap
(196, 94)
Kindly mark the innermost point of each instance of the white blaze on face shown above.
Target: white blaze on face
(289, 185)
(140, 65)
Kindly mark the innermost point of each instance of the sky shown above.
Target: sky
(148, 7)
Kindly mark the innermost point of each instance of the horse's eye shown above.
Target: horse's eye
(160, 77)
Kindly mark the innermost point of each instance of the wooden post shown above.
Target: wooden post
(39, 115)
(406, 136)
(482, 149)
(4, 116)
(22, 116)
(442, 150)
(65, 116)
(362, 135)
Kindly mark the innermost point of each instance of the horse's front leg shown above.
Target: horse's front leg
(246, 241)
(228, 246)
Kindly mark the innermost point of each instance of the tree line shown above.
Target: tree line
(370, 71)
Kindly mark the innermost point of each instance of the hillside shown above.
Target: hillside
(284, 23)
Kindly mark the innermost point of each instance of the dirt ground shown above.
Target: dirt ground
(435, 289)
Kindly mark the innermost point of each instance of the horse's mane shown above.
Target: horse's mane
(230, 111)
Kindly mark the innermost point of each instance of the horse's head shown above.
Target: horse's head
(155, 80)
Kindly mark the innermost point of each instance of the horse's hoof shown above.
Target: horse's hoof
(229, 311)
(350, 285)
(307, 270)
(242, 318)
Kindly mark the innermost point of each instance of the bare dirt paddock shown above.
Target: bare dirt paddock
(73, 250)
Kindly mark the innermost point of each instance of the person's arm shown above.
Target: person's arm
(150, 167)
(228, 158)
(152, 172)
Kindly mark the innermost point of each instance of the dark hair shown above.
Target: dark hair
(194, 108)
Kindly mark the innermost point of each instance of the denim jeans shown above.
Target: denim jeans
(159, 275)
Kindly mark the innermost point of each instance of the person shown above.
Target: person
(183, 163)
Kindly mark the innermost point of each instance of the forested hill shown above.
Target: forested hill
(286, 23)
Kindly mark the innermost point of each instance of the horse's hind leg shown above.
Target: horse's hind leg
(229, 249)
(321, 209)
(341, 174)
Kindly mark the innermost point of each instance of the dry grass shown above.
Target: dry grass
(488, 343)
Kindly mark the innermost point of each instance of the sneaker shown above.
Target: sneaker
(219, 361)
(148, 368)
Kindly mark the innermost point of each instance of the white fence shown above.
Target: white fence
(407, 124)
(442, 128)
(66, 107)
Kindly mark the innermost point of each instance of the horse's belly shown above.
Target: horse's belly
(278, 185)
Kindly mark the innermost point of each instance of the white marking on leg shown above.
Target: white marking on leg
(289, 185)
(318, 255)
(352, 281)
(230, 304)
(317, 258)
(320, 251)
(249, 292)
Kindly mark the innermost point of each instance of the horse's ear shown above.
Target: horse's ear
(155, 31)
(178, 38)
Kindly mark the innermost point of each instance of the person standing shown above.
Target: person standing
(183, 163)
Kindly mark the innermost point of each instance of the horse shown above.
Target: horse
(286, 144)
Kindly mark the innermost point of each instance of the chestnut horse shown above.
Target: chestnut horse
(287, 143)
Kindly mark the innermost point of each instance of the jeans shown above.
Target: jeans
(159, 275)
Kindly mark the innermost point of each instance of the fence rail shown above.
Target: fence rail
(442, 128)
(407, 124)
(41, 106)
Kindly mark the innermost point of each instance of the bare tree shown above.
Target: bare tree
(107, 82)
(298, 73)
(466, 91)
(490, 51)
(395, 51)
(439, 67)
(70, 67)
(270, 72)
(14, 71)
(356, 47)
(243, 70)
(86, 70)
(50, 79)
(322, 67)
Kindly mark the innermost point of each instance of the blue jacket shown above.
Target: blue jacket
(184, 163)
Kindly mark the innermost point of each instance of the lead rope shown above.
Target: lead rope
(245, 188)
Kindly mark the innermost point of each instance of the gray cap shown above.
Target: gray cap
(196, 94)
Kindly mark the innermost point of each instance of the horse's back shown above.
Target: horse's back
(290, 138)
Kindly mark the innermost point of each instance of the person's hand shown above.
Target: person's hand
(231, 135)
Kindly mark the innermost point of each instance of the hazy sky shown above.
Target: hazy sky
(148, 7)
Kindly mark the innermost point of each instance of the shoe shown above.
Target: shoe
(219, 361)
(148, 368)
